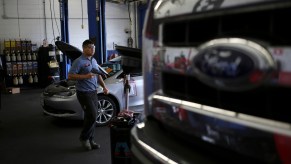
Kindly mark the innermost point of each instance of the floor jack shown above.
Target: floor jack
(120, 130)
(126, 113)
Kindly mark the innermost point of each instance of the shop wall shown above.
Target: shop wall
(37, 20)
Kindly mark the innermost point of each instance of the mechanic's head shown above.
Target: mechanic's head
(88, 47)
(87, 43)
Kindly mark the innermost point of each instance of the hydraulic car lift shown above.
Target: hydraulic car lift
(96, 23)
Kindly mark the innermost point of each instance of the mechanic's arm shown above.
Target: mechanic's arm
(80, 77)
(101, 82)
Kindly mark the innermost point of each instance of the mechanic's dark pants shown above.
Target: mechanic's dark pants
(89, 103)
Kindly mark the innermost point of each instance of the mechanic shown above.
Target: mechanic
(86, 86)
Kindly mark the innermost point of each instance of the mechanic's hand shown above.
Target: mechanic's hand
(90, 75)
(105, 91)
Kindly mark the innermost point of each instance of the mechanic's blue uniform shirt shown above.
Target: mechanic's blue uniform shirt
(83, 65)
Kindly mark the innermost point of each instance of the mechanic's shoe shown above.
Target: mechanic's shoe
(94, 145)
(86, 144)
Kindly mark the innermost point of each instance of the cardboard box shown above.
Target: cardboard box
(13, 90)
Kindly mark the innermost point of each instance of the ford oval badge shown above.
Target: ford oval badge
(233, 64)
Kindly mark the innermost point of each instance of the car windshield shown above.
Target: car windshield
(112, 66)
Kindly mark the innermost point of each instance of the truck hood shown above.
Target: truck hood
(130, 59)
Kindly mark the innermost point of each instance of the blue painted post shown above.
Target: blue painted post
(65, 37)
(96, 22)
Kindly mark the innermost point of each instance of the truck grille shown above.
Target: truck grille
(269, 24)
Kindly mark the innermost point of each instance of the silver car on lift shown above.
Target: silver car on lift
(59, 99)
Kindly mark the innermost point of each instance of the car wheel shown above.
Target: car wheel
(106, 110)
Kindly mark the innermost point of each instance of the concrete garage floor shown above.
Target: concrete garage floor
(29, 137)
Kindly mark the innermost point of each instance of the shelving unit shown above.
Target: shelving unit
(20, 64)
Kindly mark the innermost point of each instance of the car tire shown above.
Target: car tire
(107, 109)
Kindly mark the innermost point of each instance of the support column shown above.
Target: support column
(96, 22)
(64, 37)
